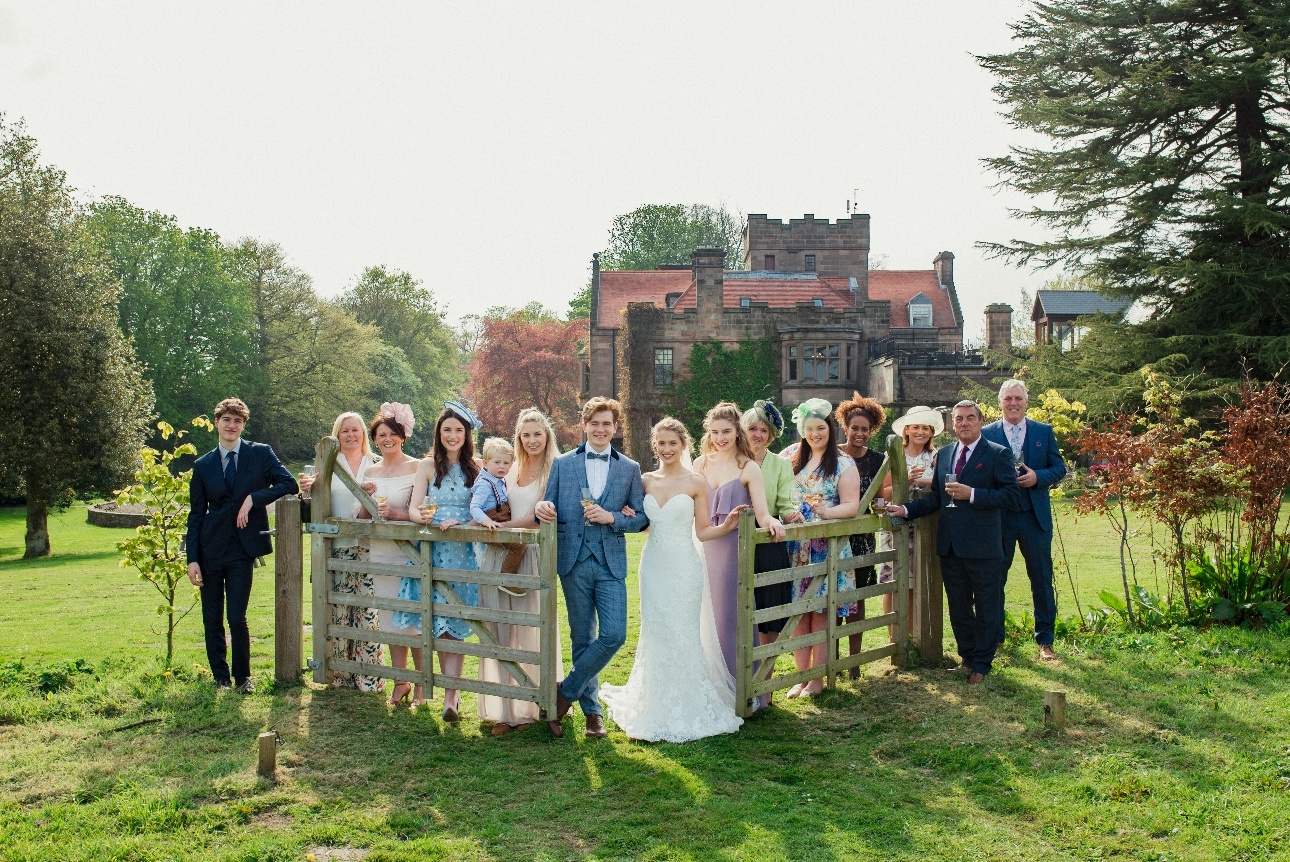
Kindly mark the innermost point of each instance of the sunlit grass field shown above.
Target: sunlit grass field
(1176, 749)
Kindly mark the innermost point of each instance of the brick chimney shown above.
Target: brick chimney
(944, 266)
(998, 326)
(709, 268)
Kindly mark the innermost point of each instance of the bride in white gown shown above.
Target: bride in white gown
(679, 688)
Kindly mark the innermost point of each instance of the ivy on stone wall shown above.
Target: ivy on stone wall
(741, 374)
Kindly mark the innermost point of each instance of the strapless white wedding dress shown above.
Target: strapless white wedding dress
(679, 688)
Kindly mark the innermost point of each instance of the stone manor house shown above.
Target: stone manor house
(838, 326)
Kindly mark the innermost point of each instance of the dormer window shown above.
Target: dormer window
(745, 302)
(672, 298)
(817, 301)
(920, 311)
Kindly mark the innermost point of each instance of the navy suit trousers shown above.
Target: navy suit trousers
(1021, 528)
(231, 579)
(974, 593)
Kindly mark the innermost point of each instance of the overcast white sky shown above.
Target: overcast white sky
(486, 147)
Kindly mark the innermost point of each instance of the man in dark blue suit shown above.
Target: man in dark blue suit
(1039, 467)
(227, 529)
(968, 536)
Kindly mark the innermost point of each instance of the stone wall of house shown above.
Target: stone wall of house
(841, 248)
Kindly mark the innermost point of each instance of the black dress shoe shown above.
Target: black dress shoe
(246, 687)
(223, 683)
(596, 727)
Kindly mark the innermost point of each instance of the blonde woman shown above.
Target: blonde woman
(355, 456)
(734, 480)
(535, 451)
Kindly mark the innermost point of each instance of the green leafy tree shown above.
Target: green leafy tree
(74, 401)
(653, 235)
(156, 548)
(1165, 172)
(313, 360)
(189, 322)
(409, 318)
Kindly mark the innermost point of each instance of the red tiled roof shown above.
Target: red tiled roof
(901, 285)
(619, 287)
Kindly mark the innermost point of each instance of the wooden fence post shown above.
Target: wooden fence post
(929, 593)
(745, 608)
(548, 646)
(319, 550)
(267, 766)
(1055, 709)
(289, 585)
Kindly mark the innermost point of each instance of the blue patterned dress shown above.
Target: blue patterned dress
(817, 550)
(453, 497)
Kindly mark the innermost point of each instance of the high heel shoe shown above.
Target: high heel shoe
(795, 691)
(450, 711)
(399, 693)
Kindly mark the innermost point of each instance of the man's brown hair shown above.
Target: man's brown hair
(236, 406)
(598, 404)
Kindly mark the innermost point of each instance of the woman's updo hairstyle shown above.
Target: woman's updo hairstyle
(677, 427)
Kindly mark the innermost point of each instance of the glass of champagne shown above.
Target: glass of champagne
(379, 498)
(879, 506)
(307, 472)
(428, 508)
(949, 478)
(586, 498)
(813, 500)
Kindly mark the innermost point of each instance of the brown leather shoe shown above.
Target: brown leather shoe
(976, 678)
(596, 727)
(562, 706)
(500, 729)
(556, 728)
(1046, 652)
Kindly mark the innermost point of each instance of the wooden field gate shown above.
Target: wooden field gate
(922, 631)
(919, 633)
(414, 540)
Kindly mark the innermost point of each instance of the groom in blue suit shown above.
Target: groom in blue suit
(592, 553)
(1030, 525)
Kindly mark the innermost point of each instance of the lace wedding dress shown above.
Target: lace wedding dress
(679, 688)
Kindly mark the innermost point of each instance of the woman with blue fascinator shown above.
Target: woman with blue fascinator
(442, 486)
(763, 424)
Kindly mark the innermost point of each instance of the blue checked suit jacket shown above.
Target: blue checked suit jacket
(623, 487)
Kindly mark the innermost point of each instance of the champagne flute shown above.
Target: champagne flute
(879, 506)
(428, 508)
(951, 477)
(813, 500)
(586, 498)
(308, 472)
(379, 498)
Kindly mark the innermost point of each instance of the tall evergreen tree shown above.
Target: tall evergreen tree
(1166, 171)
(74, 401)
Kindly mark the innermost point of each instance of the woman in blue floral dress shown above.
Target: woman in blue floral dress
(826, 486)
(444, 479)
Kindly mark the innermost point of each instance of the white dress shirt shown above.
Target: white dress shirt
(597, 472)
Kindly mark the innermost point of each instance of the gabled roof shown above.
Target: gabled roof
(776, 289)
(899, 286)
(1074, 303)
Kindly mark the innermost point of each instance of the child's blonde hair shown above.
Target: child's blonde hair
(496, 447)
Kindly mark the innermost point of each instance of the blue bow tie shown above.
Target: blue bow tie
(594, 457)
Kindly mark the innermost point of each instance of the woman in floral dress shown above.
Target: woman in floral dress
(826, 486)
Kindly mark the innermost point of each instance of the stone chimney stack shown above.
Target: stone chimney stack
(944, 266)
(998, 326)
(709, 268)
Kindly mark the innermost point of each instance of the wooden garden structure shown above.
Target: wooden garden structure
(916, 632)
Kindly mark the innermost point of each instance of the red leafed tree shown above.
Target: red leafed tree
(522, 361)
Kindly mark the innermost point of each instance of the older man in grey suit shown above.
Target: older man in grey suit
(968, 538)
(585, 495)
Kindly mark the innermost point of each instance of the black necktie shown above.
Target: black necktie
(598, 457)
(230, 469)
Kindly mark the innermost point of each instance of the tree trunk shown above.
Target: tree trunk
(37, 525)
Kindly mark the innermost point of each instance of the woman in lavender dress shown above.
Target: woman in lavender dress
(728, 466)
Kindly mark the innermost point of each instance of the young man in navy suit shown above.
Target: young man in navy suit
(591, 553)
(227, 529)
(968, 536)
(1039, 467)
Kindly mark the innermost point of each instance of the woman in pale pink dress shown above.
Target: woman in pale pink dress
(535, 449)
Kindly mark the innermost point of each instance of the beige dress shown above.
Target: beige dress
(398, 492)
(499, 709)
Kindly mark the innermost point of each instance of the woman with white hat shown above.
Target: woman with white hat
(918, 427)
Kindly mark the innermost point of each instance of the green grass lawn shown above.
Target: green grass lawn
(1177, 749)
